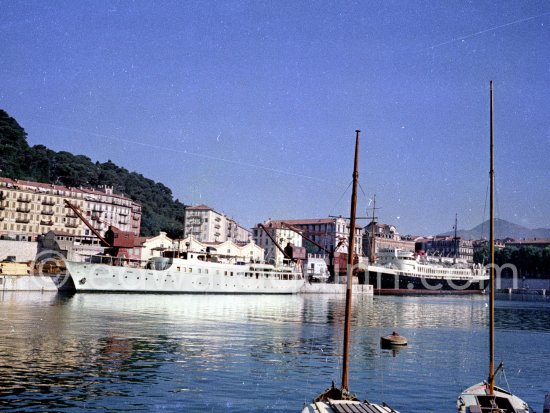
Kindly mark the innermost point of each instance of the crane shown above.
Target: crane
(331, 253)
(262, 226)
(114, 238)
(76, 210)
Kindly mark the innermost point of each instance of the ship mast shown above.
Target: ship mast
(351, 250)
(455, 241)
(372, 241)
(491, 380)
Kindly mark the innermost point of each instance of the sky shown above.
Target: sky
(251, 107)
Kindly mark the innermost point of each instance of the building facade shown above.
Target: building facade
(29, 209)
(282, 235)
(154, 246)
(208, 225)
(105, 208)
(327, 234)
(331, 234)
(444, 246)
(377, 236)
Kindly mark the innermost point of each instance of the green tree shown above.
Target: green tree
(160, 212)
(13, 148)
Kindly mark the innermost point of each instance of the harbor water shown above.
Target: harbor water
(195, 353)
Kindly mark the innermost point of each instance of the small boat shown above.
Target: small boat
(477, 400)
(393, 339)
(485, 397)
(341, 400)
(546, 408)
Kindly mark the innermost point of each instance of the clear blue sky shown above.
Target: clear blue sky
(251, 107)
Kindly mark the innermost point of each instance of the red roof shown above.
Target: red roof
(303, 221)
(20, 182)
(138, 241)
(202, 207)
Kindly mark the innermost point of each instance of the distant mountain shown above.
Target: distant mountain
(503, 229)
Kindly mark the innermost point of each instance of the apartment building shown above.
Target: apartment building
(328, 233)
(208, 225)
(105, 208)
(29, 209)
(377, 236)
(283, 235)
(445, 246)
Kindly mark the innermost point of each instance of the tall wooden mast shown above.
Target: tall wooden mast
(351, 251)
(492, 253)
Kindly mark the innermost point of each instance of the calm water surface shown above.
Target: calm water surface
(191, 353)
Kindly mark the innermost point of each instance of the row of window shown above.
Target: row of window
(246, 274)
(31, 206)
(27, 197)
(443, 271)
(108, 208)
(31, 217)
(29, 210)
(34, 228)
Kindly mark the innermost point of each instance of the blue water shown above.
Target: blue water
(190, 353)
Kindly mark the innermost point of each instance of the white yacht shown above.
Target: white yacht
(181, 272)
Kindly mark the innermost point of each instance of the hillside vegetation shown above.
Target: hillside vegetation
(18, 160)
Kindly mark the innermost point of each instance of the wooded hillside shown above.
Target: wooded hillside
(160, 212)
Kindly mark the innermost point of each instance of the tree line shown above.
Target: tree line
(19, 160)
(530, 261)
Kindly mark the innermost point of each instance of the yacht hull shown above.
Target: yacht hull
(88, 277)
(388, 282)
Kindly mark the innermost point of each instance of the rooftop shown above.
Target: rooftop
(31, 184)
(278, 223)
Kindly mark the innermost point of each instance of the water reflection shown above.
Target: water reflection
(253, 353)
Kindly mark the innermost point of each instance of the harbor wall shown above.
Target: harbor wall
(26, 283)
(21, 250)
(322, 288)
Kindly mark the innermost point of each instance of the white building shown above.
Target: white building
(249, 252)
(154, 246)
(332, 234)
(105, 208)
(209, 225)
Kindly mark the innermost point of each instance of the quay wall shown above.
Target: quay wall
(26, 283)
(21, 250)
